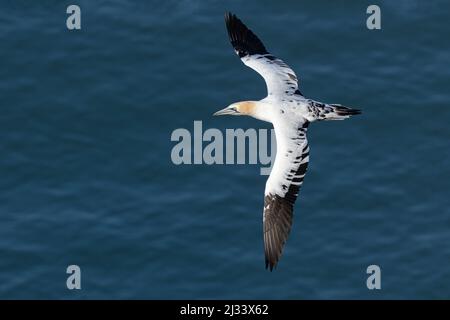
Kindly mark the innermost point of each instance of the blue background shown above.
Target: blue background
(86, 176)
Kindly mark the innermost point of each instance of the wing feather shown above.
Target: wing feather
(282, 189)
(279, 77)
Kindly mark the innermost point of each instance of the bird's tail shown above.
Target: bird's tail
(339, 112)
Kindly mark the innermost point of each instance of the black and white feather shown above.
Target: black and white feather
(283, 186)
(290, 113)
(279, 77)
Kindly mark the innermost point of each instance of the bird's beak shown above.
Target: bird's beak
(226, 111)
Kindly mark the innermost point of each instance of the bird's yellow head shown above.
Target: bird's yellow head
(243, 108)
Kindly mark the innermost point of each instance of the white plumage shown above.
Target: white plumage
(290, 113)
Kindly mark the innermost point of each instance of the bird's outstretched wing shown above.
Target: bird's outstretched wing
(282, 188)
(280, 78)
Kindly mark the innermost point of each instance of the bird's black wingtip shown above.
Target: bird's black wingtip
(232, 22)
(243, 40)
(270, 265)
(229, 17)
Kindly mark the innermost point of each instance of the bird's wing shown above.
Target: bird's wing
(280, 78)
(282, 188)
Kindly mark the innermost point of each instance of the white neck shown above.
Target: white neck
(262, 111)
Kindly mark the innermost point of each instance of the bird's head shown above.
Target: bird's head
(243, 108)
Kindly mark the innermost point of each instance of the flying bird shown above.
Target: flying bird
(290, 113)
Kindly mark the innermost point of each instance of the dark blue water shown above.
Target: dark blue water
(86, 176)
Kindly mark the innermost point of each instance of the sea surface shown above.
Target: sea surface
(87, 178)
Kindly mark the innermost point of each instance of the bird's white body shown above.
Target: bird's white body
(290, 113)
(276, 109)
(287, 117)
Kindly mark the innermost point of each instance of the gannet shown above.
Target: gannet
(290, 114)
